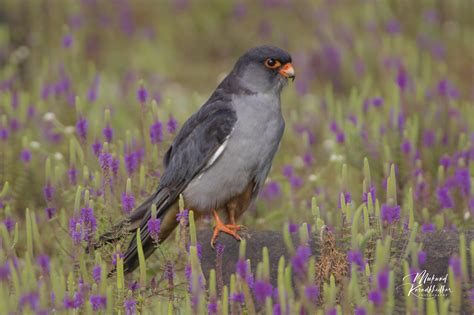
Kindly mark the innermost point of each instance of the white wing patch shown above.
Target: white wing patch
(215, 156)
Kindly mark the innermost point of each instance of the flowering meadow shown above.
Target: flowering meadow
(377, 155)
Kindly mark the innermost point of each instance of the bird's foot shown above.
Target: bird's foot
(230, 229)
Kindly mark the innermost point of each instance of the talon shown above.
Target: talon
(226, 228)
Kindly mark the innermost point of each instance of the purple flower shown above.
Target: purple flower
(347, 198)
(72, 175)
(375, 297)
(142, 94)
(156, 132)
(288, 171)
(172, 124)
(130, 306)
(421, 257)
(237, 297)
(98, 302)
(406, 146)
(131, 162)
(300, 260)
(212, 308)
(128, 202)
(377, 101)
(25, 155)
(108, 133)
(69, 303)
(154, 226)
(88, 221)
(262, 290)
(31, 299)
(105, 161)
(48, 192)
(50, 212)
(183, 216)
(97, 148)
(455, 264)
(390, 214)
(75, 230)
(340, 137)
(444, 198)
(271, 190)
(331, 311)
(365, 197)
(383, 279)
(67, 41)
(43, 262)
(293, 228)
(81, 128)
(312, 293)
(296, 182)
(393, 27)
(360, 310)
(355, 257)
(427, 227)
(115, 257)
(242, 268)
(463, 180)
(97, 273)
(4, 271)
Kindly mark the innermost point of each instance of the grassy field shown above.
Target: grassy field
(378, 151)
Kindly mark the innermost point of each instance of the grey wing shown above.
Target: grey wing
(200, 137)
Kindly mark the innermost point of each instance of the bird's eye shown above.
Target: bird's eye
(272, 63)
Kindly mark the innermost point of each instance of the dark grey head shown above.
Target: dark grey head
(263, 69)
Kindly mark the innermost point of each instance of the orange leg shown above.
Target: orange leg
(226, 228)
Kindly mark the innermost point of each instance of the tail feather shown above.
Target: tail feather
(166, 210)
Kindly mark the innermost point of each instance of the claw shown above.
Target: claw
(226, 228)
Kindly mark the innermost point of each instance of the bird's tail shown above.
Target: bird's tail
(166, 211)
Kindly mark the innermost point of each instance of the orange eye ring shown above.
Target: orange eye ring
(272, 63)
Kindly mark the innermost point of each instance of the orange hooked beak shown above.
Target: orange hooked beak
(288, 71)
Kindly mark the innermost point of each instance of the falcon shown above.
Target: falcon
(221, 157)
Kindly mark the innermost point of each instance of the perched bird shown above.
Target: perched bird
(222, 155)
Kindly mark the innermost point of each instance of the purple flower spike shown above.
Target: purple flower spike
(375, 297)
(427, 228)
(142, 94)
(97, 148)
(360, 310)
(172, 124)
(43, 263)
(48, 192)
(271, 190)
(108, 133)
(406, 146)
(81, 128)
(355, 257)
(50, 212)
(128, 202)
(67, 41)
(421, 257)
(300, 260)
(262, 290)
(241, 268)
(455, 264)
(154, 226)
(383, 279)
(156, 132)
(130, 306)
(25, 155)
(237, 297)
(463, 180)
(98, 302)
(97, 273)
(444, 198)
(312, 293)
(390, 214)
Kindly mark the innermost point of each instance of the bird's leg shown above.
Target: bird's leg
(231, 215)
(221, 227)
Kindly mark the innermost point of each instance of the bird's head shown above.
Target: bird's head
(264, 69)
